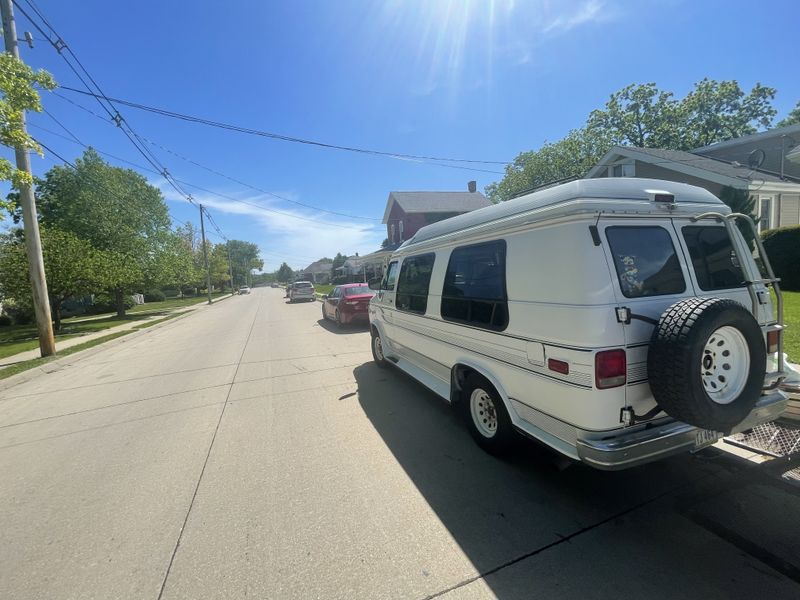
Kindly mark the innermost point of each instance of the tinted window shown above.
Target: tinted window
(474, 289)
(413, 282)
(357, 290)
(716, 265)
(391, 277)
(645, 260)
(303, 284)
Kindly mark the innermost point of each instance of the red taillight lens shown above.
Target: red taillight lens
(559, 366)
(772, 340)
(610, 369)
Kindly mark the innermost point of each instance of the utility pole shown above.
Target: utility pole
(205, 254)
(33, 241)
(230, 264)
(244, 264)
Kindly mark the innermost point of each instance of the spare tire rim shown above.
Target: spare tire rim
(484, 414)
(725, 365)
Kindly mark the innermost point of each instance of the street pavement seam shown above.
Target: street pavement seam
(118, 404)
(208, 454)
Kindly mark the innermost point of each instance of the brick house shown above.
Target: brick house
(407, 212)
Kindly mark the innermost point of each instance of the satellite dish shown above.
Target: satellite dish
(756, 158)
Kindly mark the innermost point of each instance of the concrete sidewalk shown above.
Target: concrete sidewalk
(81, 339)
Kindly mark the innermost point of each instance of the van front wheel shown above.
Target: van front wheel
(377, 350)
(486, 416)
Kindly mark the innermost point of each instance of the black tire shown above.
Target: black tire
(378, 357)
(324, 316)
(679, 358)
(338, 318)
(504, 436)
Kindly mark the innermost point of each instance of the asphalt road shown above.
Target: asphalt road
(250, 450)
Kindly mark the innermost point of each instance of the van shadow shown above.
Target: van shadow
(499, 511)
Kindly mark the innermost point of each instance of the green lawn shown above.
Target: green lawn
(324, 288)
(19, 338)
(791, 315)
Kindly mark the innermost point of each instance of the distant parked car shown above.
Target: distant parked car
(302, 290)
(244, 290)
(347, 303)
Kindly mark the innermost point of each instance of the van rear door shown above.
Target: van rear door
(719, 265)
(648, 270)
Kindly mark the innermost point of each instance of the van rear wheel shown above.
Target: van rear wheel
(707, 362)
(486, 416)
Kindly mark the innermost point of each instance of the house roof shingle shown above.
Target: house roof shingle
(433, 202)
(712, 165)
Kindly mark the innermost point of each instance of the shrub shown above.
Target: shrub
(104, 303)
(154, 296)
(5, 320)
(783, 249)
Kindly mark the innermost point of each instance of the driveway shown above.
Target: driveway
(251, 450)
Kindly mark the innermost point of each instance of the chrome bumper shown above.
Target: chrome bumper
(631, 448)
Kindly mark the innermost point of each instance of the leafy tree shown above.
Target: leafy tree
(17, 95)
(716, 111)
(245, 256)
(218, 264)
(284, 273)
(740, 201)
(793, 118)
(116, 211)
(570, 157)
(642, 115)
(72, 266)
(385, 243)
(338, 261)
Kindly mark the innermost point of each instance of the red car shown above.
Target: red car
(347, 303)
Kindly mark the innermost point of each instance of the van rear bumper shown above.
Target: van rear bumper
(628, 449)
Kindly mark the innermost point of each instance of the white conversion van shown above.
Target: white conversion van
(616, 320)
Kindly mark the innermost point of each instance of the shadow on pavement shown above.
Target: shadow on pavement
(344, 329)
(501, 512)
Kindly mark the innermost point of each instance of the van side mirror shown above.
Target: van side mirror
(375, 284)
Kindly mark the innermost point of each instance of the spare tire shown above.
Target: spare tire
(707, 362)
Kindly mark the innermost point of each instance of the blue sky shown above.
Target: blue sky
(475, 79)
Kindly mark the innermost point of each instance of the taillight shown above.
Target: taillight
(610, 369)
(772, 340)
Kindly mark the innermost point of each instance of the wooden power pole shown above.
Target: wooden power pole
(205, 255)
(33, 241)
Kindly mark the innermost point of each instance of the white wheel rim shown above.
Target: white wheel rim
(378, 345)
(725, 365)
(484, 414)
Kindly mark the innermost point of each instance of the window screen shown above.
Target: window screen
(716, 265)
(645, 260)
(474, 289)
(413, 282)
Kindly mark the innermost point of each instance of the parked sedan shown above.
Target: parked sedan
(244, 290)
(347, 303)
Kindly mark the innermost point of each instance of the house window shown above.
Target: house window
(474, 289)
(621, 170)
(764, 213)
(413, 283)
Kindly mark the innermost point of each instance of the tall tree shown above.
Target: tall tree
(113, 209)
(793, 118)
(245, 256)
(740, 201)
(73, 267)
(284, 273)
(642, 115)
(218, 263)
(338, 261)
(17, 94)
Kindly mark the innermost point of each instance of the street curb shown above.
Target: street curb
(60, 363)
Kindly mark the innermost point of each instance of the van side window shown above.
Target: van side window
(391, 277)
(716, 265)
(645, 260)
(413, 283)
(474, 289)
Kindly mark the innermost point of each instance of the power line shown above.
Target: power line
(202, 189)
(287, 138)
